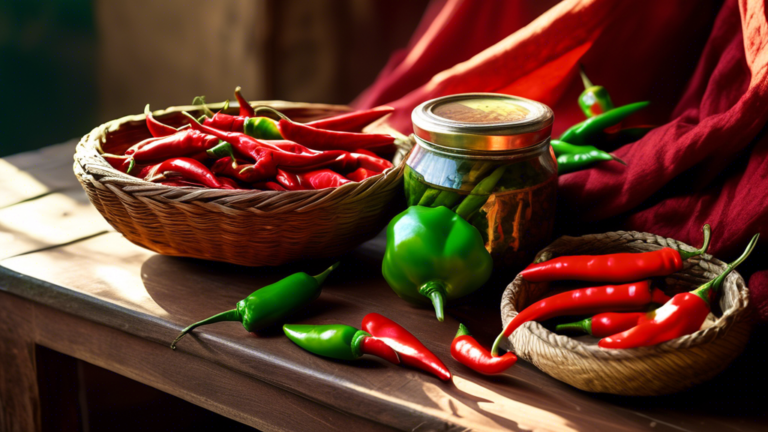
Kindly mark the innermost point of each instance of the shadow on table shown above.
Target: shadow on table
(190, 289)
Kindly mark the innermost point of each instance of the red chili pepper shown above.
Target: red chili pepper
(352, 122)
(269, 186)
(621, 267)
(246, 110)
(320, 139)
(228, 183)
(226, 122)
(263, 169)
(187, 168)
(361, 174)
(156, 128)
(585, 301)
(290, 181)
(606, 324)
(682, 315)
(180, 144)
(467, 351)
(412, 352)
(312, 180)
(121, 163)
(267, 155)
(352, 161)
(322, 179)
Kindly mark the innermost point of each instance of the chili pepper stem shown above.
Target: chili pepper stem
(584, 326)
(321, 277)
(584, 78)
(617, 159)
(435, 292)
(230, 315)
(705, 291)
(131, 164)
(260, 108)
(703, 249)
(463, 331)
(497, 344)
(200, 100)
(223, 149)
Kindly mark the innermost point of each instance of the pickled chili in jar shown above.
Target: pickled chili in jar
(487, 157)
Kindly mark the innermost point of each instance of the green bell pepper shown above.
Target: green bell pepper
(434, 255)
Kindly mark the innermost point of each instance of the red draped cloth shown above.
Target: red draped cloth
(702, 64)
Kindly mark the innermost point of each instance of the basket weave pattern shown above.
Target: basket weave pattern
(247, 227)
(662, 369)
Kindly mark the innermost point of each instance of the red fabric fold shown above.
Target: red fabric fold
(703, 66)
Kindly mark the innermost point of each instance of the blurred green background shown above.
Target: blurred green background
(47, 72)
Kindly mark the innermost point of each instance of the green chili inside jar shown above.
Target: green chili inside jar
(487, 157)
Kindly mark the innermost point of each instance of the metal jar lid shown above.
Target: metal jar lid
(482, 122)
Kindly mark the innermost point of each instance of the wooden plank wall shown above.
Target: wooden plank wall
(164, 53)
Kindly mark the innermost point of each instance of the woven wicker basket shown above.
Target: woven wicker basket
(662, 369)
(246, 227)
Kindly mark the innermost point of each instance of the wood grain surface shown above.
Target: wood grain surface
(109, 302)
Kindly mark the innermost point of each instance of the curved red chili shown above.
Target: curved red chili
(226, 122)
(180, 144)
(156, 128)
(606, 324)
(246, 110)
(361, 174)
(186, 168)
(585, 301)
(682, 315)
(321, 139)
(121, 163)
(467, 351)
(312, 180)
(353, 121)
(269, 186)
(412, 352)
(265, 168)
(621, 267)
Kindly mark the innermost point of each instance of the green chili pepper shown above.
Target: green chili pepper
(262, 128)
(592, 128)
(594, 100)
(429, 197)
(446, 199)
(479, 195)
(577, 161)
(414, 186)
(339, 341)
(271, 303)
(434, 255)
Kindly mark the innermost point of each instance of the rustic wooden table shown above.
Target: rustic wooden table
(70, 283)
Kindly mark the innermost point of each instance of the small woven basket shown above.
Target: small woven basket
(662, 369)
(246, 227)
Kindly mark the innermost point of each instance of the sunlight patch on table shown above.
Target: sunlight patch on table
(48, 221)
(16, 185)
(526, 416)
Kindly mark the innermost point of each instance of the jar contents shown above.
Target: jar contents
(474, 157)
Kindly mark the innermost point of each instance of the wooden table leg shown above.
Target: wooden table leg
(19, 396)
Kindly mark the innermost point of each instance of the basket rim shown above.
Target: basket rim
(718, 329)
(90, 166)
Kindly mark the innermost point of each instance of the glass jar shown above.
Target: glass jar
(487, 157)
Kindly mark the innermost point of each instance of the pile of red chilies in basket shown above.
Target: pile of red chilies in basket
(247, 151)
